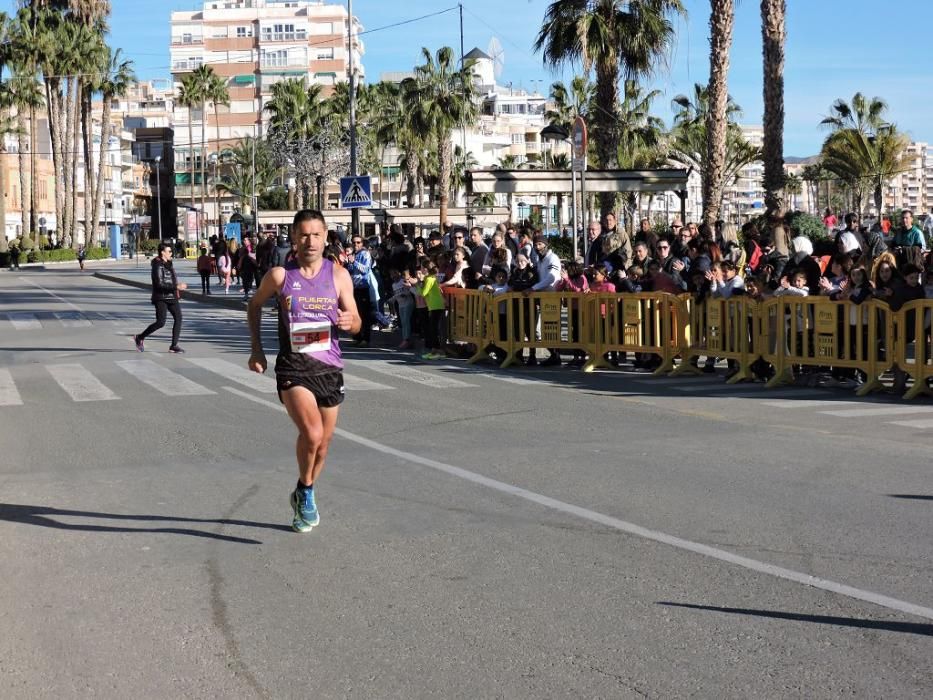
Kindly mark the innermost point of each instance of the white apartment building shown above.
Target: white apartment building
(911, 188)
(252, 45)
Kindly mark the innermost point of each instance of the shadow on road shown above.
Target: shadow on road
(922, 629)
(43, 517)
(911, 496)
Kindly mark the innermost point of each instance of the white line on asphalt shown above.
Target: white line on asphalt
(631, 528)
(80, 384)
(699, 382)
(410, 374)
(497, 376)
(162, 379)
(53, 294)
(913, 423)
(9, 396)
(882, 411)
(24, 322)
(72, 319)
(265, 383)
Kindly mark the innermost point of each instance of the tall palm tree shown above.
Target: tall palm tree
(774, 36)
(115, 81)
(189, 97)
(205, 78)
(721, 23)
(642, 139)
(217, 93)
(570, 103)
(462, 163)
(614, 38)
(440, 99)
(793, 186)
(865, 115)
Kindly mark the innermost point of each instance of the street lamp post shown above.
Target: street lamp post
(555, 134)
(158, 161)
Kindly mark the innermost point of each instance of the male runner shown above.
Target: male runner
(315, 299)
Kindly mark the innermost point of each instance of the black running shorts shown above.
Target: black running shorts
(327, 388)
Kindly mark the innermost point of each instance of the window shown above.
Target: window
(518, 139)
(325, 54)
(242, 32)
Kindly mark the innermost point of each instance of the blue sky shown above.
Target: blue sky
(831, 51)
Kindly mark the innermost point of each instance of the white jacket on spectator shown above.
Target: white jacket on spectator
(791, 292)
(726, 288)
(548, 271)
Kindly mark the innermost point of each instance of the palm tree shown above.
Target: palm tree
(864, 161)
(614, 38)
(863, 114)
(440, 99)
(189, 97)
(570, 103)
(206, 81)
(721, 22)
(688, 141)
(793, 186)
(462, 163)
(115, 81)
(774, 35)
(216, 91)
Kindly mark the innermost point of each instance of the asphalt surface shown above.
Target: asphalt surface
(485, 533)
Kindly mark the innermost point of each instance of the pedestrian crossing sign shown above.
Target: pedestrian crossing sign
(355, 191)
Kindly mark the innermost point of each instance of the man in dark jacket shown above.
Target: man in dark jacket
(280, 252)
(165, 293)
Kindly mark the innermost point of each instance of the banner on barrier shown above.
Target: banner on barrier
(826, 345)
(550, 320)
(713, 325)
(826, 319)
(632, 312)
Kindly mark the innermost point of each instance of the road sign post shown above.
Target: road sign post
(579, 143)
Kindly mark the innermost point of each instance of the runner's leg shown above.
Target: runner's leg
(160, 307)
(302, 408)
(175, 309)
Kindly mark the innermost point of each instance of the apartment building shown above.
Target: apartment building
(910, 189)
(251, 45)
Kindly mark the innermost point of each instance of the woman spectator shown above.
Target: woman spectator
(459, 271)
(839, 275)
(492, 258)
(224, 265)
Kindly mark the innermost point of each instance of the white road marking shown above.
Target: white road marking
(881, 411)
(624, 526)
(24, 322)
(699, 382)
(72, 319)
(497, 376)
(913, 423)
(410, 374)
(791, 403)
(265, 383)
(79, 383)
(9, 396)
(162, 379)
(52, 294)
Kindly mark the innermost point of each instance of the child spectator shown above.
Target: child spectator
(601, 283)
(572, 279)
(728, 283)
(795, 285)
(839, 273)
(434, 301)
(459, 268)
(402, 283)
(498, 286)
(204, 269)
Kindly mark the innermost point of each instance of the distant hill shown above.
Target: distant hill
(794, 160)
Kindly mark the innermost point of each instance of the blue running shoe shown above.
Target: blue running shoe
(305, 509)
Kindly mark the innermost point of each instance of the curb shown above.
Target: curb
(222, 301)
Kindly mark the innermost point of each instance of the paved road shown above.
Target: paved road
(484, 533)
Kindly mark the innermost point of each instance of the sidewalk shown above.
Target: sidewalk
(127, 273)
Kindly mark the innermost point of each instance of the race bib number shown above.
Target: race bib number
(308, 337)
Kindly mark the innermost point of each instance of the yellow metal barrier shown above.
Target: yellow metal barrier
(191, 252)
(819, 332)
(551, 320)
(912, 327)
(723, 328)
(468, 319)
(651, 323)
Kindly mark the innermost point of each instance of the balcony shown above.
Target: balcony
(187, 40)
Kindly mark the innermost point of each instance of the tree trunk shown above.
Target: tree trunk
(75, 125)
(51, 101)
(98, 195)
(33, 173)
(445, 161)
(411, 179)
(87, 127)
(605, 127)
(198, 218)
(191, 153)
(721, 22)
(774, 34)
(217, 151)
(22, 136)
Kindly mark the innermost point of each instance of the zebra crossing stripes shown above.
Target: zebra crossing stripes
(72, 319)
(9, 396)
(236, 373)
(79, 383)
(410, 374)
(23, 321)
(163, 380)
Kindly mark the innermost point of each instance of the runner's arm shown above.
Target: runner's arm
(348, 317)
(271, 283)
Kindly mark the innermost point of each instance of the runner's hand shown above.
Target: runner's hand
(181, 286)
(344, 320)
(257, 362)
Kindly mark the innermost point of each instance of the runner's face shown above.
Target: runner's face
(311, 239)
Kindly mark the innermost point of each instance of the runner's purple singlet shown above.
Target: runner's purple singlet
(308, 309)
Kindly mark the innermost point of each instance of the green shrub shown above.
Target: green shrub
(26, 243)
(98, 253)
(43, 241)
(803, 224)
(562, 247)
(148, 246)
